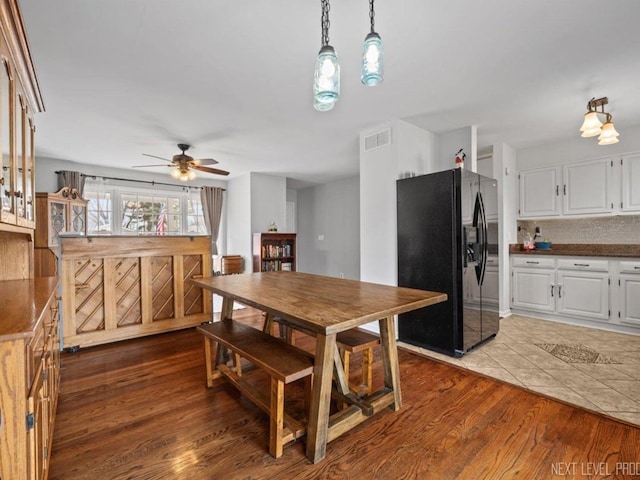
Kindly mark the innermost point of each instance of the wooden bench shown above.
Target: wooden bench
(283, 362)
(348, 342)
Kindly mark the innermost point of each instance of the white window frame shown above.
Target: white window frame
(117, 190)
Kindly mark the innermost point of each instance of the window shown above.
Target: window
(123, 210)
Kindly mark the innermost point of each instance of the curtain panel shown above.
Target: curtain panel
(211, 198)
(69, 178)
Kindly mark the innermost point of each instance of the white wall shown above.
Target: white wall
(450, 142)
(239, 219)
(329, 229)
(413, 148)
(378, 171)
(504, 171)
(268, 202)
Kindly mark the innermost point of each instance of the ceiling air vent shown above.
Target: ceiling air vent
(377, 140)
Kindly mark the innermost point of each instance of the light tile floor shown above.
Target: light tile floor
(514, 357)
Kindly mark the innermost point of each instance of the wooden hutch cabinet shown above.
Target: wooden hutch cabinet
(61, 212)
(19, 98)
(29, 343)
(274, 251)
(30, 380)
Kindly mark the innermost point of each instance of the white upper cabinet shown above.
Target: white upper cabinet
(630, 183)
(540, 192)
(587, 187)
(605, 186)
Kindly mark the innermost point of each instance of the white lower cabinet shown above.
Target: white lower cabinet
(533, 289)
(583, 294)
(583, 288)
(629, 293)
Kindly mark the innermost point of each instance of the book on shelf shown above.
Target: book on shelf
(276, 251)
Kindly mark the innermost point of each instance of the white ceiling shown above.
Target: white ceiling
(233, 78)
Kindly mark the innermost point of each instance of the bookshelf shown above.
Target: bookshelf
(274, 251)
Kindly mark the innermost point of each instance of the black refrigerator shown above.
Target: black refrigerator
(447, 237)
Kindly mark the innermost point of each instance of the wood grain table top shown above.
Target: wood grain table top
(325, 305)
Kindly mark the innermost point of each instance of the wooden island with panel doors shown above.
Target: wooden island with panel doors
(29, 348)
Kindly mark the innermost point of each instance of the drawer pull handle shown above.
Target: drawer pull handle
(636, 268)
(82, 286)
(534, 263)
(581, 264)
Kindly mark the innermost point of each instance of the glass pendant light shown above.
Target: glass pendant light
(372, 69)
(326, 78)
(609, 135)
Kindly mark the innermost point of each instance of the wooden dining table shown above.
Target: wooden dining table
(326, 306)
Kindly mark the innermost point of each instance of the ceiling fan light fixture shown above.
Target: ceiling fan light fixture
(175, 173)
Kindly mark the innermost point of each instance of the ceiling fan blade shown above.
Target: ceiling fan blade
(155, 156)
(204, 161)
(143, 166)
(210, 170)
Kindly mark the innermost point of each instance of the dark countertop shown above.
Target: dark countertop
(583, 249)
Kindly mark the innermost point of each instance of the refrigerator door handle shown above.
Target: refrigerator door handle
(480, 221)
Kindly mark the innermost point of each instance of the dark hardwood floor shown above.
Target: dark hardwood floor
(140, 410)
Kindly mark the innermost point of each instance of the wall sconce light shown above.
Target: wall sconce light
(326, 78)
(372, 65)
(592, 125)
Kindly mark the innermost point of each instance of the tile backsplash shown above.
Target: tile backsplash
(618, 229)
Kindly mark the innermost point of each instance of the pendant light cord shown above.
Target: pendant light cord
(372, 15)
(325, 22)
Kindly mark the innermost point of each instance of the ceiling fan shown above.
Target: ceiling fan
(183, 166)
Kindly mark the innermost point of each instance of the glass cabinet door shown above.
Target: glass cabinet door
(18, 185)
(7, 212)
(78, 218)
(29, 176)
(57, 221)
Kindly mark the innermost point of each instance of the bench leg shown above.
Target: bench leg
(308, 386)
(367, 369)
(276, 417)
(208, 361)
(237, 366)
(212, 372)
(268, 323)
(346, 359)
